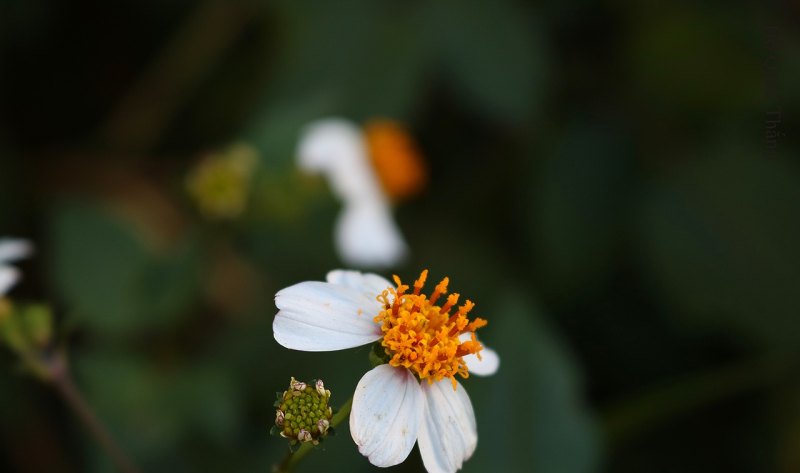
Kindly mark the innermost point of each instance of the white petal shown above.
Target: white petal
(13, 249)
(370, 284)
(318, 316)
(448, 434)
(386, 415)
(337, 148)
(487, 365)
(8, 277)
(367, 236)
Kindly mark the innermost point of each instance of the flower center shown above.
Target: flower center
(424, 337)
(397, 162)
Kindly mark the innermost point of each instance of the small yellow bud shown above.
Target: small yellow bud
(220, 183)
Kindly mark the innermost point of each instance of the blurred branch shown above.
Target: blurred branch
(61, 379)
(661, 404)
(147, 109)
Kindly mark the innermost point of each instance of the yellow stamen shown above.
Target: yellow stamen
(423, 337)
(397, 162)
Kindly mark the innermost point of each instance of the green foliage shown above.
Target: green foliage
(609, 157)
(110, 280)
(584, 187)
(154, 410)
(494, 55)
(686, 60)
(720, 240)
(532, 412)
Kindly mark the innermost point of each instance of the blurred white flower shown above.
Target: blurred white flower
(11, 250)
(366, 169)
(405, 400)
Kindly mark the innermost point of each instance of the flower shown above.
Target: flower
(11, 250)
(220, 182)
(367, 169)
(404, 400)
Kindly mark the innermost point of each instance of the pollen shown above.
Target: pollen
(397, 162)
(422, 336)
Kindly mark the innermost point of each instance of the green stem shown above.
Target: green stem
(660, 404)
(291, 460)
(61, 380)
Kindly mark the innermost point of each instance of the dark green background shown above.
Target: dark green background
(601, 184)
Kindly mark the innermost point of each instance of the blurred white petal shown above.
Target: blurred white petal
(448, 434)
(370, 284)
(13, 249)
(318, 316)
(387, 409)
(367, 236)
(337, 148)
(8, 277)
(487, 365)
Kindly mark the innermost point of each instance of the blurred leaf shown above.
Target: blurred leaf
(387, 80)
(154, 411)
(583, 194)
(97, 266)
(171, 282)
(108, 278)
(687, 60)
(357, 58)
(532, 413)
(276, 130)
(720, 244)
(786, 417)
(494, 57)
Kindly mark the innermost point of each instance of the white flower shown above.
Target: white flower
(366, 234)
(404, 401)
(11, 250)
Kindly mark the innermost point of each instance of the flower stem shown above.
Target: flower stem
(292, 458)
(61, 380)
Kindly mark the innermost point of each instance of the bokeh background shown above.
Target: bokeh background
(615, 183)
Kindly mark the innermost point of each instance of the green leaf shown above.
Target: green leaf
(531, 414)
(720, 244)
(109, 279)
(153, 410)
(494, 57)
(685, 59)
(583, 194)
(372, 65)
(98, 265)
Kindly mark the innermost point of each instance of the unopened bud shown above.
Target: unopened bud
(321, 388)
(304, 435)
(323, 426)
(296, 385)
(38, 321)
(220, 183)
(12, 332)
(302, 412)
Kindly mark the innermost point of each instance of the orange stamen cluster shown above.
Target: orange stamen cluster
(399, 166)
(424, 337)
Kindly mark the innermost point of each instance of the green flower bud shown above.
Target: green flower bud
(11, 331)
(38, 321)
(26, 329)
(303, 414)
